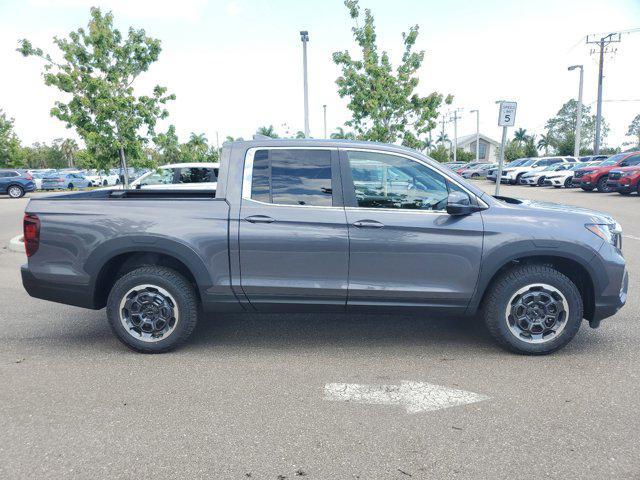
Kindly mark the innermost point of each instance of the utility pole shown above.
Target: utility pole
(304, 36)
(477, 112)
(455, 133)
(602, 43)
(576, 148)
(324, 108)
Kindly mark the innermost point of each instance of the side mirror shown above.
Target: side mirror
(458, 203)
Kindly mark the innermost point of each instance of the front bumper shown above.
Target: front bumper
(608, 305)
(581, 182)
(555, 182)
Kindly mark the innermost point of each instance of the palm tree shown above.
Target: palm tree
(198, 141)
(520, 135)
(69, 149)
(340, 134)
(428, 144)
(442, 138)
(267, 131)
(544, 143)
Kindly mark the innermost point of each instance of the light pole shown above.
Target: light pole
(477, 112)
(576, 148)
(324, 108)
(304, 36)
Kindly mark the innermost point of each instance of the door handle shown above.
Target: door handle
(259, 219)
(367, 224)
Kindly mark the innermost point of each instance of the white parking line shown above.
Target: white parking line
(631, 237)
(414, 397)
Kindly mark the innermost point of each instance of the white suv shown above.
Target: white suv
(514, 175)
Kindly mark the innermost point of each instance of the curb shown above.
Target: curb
(17, 244)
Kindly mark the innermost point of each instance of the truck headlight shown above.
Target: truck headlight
(609, 232)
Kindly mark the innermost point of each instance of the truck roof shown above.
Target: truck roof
(319, 142)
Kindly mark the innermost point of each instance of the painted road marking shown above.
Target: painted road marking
(415, 397)
(631, 237)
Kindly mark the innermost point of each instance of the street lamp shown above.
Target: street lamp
(304, 36)
(477, 112)
(576, 148)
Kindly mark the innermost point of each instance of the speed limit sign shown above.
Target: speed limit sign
(507, 116)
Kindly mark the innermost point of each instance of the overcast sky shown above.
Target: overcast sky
(235, 65)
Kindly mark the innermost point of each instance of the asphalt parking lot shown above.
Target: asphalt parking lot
(247, 396)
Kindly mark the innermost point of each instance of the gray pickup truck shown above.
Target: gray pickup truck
(325, 226)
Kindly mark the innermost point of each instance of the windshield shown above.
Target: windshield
(526, 163)
(517, 163)
(611, 161)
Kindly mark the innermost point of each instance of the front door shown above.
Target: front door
(294, 245)
(405, 250)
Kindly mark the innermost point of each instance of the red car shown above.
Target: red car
(589, 178)
(625, 180)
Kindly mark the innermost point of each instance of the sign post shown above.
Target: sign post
(506, 118)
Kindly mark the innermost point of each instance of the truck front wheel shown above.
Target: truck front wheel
(533, 310)
(152, 309)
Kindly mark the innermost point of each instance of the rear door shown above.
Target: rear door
(294, 245)
(405, 250)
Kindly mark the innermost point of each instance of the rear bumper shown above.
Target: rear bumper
(55, 291)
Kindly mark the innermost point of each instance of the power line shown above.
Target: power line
(602, 48)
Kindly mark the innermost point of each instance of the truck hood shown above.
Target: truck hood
(589, 216)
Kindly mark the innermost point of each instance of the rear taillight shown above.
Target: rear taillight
(31, 224)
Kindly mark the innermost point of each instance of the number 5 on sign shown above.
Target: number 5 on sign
(507, 116)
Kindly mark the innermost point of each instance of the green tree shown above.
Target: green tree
(634, 130)
(440, 154)
(98, 69)
(340, 134)
(513, 150)
(561, 128)
(11, 155)
(168, 146)
(383, 103)
(69, 150)
(464, 156)
(530, 149)
(520, 135)
(544, 143)
(267, 131)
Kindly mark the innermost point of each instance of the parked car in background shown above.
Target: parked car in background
(564, 178)
(101, 178)
(180, 176)
(453, 165)
(479, 170)
(597, 177)
(65, 180)
(16, 183)
(465, 166)
(492, 172)
(326, 226)
(625, 180)
(593, 158)
(513, 175)
(537, 177)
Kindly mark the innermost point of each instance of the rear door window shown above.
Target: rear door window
(292, 177)
(197, 175)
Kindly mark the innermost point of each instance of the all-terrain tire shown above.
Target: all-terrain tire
(495, 303)
(180, 291)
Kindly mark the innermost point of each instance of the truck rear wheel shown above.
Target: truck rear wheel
(152, 309)
(533, 310)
